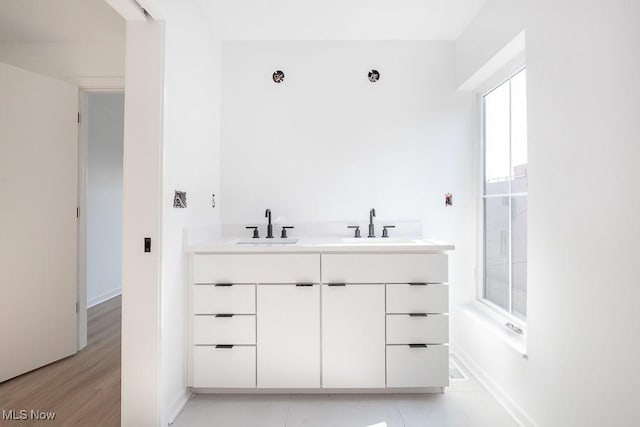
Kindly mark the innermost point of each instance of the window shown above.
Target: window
(504, 196)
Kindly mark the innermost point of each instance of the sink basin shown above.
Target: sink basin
(376, 240)
(267, 242)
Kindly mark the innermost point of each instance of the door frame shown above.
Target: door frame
(83, 163)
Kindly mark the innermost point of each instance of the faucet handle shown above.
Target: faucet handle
(357, 232)
(255, 232)
(385, 233)
(283, 235)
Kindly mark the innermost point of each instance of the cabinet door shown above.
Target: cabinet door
(288, 338)
(353, 336)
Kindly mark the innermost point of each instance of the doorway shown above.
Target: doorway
(100, 201)
(78, 385)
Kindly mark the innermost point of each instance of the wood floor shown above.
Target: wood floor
(83, 389)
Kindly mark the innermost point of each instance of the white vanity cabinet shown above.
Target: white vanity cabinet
(384, 268)
(353, 345)
(421, 297)
(223, 347)
(417, 328)
(256, 268)
(415, 305)
(417, 335)
(417, 365)
(288, 319)
(224, 328)
(224, 298)
(323, 320)
(224, 366)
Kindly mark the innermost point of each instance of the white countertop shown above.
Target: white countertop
(320, 245)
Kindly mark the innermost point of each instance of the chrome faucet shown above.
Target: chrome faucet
(267, 214)
(372, 231)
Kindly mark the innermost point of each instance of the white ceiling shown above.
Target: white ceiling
(35, 21)
(340, 19)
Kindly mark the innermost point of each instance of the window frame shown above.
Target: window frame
(502, 315)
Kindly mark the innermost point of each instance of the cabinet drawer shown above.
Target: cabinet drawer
(236, 299)
(384, 268)
(208, 329)
(406, 329)
(417, 367)
(224, 367)
(405, 298)
(256, 268)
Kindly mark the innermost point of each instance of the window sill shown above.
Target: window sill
(495, 323)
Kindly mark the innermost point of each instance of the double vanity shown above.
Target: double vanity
(318, 315)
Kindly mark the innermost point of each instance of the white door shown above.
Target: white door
(38, 189)
(353, 336)
(288, 344)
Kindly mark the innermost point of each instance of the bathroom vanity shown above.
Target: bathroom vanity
(318, 315)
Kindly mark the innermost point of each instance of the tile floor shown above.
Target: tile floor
(465, 403)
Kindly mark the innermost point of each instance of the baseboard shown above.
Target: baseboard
(177, 406)
(494, 389)
(104, 297)
(256, 391)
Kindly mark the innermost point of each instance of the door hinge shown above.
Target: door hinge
(77, 212)
(77, 307)
(78, 117)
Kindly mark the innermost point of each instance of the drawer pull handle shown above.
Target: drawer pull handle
(224, 315)
(223, 284)
(337, 284)
(418, 314)
(304, 284)
(417, 346)
(224, 346)
(418, 284)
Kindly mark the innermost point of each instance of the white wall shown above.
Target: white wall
(584, 207)
(142, 217)
(328, 145)
(78, 41)
(89, 64)
(583, 234)
(105, 121)
(171, 143)
(497, 23)
(191, 163)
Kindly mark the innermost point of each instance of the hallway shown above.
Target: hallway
(83, 389)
